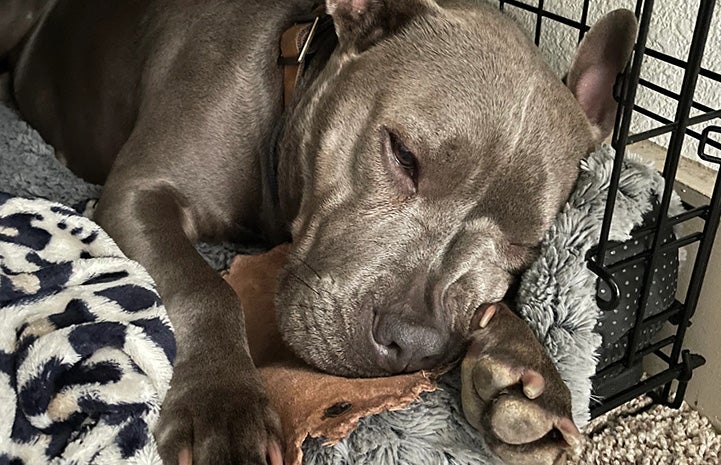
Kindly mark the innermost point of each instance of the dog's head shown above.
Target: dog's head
(423, 166)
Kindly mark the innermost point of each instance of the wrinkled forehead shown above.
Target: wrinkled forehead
(475, 99)
(465, 73)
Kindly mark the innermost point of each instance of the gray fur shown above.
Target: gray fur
(491, 182)
(556, 298)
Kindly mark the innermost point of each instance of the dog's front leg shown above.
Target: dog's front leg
(216, 411)
(513, 394)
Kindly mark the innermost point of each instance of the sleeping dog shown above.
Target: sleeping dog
(415, 151)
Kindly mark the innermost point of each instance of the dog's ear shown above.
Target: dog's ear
(600, 57)
(360, 24)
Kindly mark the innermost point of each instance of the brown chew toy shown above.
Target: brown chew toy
(309, 402)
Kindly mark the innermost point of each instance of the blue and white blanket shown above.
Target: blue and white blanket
(86, 348)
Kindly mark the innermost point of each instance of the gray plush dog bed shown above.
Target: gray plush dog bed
(556, 297)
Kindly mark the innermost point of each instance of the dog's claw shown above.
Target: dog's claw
(570, 431)
(185, 457)
(487, 315)
(274, 455)
(533, 384)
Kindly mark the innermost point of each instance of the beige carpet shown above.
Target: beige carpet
(657, 436)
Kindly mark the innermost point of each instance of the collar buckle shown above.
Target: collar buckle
(295, 46)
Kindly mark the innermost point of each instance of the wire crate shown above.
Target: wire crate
(692, 122)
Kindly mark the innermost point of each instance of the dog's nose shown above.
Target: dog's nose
(404, 346)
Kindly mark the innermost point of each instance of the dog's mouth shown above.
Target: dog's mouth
(361, 352)
(352, 333)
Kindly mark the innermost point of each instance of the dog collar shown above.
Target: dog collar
(296, 46)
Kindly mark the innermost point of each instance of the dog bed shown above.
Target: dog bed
(556, 296)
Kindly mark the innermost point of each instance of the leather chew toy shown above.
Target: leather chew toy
(309, 402)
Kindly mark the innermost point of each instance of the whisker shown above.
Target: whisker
(309, 267)
(304, 282)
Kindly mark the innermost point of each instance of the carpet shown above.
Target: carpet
(643, 434)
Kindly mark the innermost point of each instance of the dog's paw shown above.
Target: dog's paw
(206, 420)
(513, 394)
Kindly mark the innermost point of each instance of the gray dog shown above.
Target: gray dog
(416, 163)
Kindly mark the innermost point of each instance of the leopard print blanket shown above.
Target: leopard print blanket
(86, 348)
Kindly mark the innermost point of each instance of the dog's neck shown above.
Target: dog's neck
(312, 40)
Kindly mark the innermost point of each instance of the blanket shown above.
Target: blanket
(85, 345)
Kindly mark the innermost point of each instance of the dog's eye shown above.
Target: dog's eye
(405, 158)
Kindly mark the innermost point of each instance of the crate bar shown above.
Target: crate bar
(639, 5)
(690, 362)
(646, 386)
(683, 242)
(657, 346)
(662, 356)
(670, 124)
(671, 94)
(584, 20)
(665, 129)
(666, 315)
(547, 14)
(620, 91)
(642, 352)
(644, 256)
(707, 73)
(699, 270)
(695, 212)
(625, 107)
(539, 20)
(691, 73)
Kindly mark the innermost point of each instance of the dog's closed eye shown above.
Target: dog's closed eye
(400, 161)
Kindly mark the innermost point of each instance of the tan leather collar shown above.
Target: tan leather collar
(296, 45)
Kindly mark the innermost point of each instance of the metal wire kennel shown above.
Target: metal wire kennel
(652, 253)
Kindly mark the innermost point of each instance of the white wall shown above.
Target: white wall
(671, 32)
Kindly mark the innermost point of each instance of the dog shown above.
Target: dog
(415, 160)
